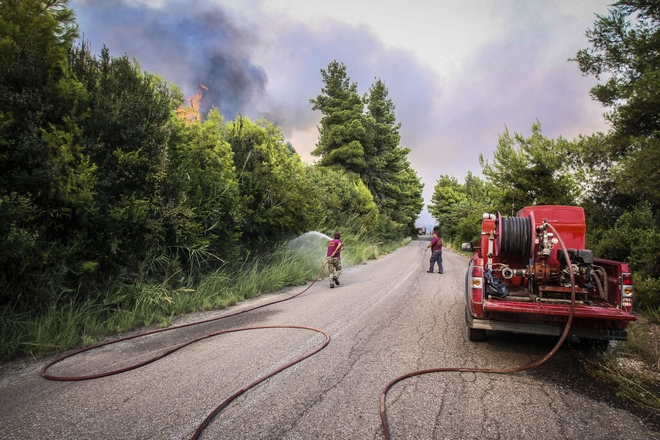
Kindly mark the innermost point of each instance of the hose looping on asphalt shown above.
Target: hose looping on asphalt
(383, 414)
(229, 399)
(226, 402)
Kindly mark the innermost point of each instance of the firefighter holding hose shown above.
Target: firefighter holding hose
(334, 259)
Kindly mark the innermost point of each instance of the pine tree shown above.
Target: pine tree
(342, 131)
(384, 158)
(388, 175)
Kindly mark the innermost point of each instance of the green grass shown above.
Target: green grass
(124, 306)
(55, 330)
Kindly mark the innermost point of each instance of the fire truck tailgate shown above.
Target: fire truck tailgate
(581, 311)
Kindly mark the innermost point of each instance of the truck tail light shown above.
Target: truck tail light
(627, 291)
(477, 282)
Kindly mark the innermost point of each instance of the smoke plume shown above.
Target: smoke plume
(187, 44)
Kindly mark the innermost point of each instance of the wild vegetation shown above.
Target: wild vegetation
(121, 205)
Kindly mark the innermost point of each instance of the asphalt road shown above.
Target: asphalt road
(388, 318)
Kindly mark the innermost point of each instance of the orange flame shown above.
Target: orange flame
(190, 113)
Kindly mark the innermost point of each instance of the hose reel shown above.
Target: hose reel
(515, 235)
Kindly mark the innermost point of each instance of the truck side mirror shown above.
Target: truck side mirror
(467, 247)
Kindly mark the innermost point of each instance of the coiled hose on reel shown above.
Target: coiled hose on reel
(515, 236)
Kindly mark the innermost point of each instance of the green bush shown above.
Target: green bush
(647, 294)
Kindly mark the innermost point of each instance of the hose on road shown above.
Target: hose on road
(383, 396)
(227, 401)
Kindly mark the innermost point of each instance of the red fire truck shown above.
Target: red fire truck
(519, 280)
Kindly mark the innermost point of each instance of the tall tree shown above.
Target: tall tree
(35, 37)
(408, 202)
(342, 130)
(395, 186)
(126, 135)
(533, 172)
(46, 178)
(624, 50)
(384, 158)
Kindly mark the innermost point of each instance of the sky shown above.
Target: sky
(459, 72)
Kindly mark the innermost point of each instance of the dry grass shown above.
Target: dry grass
(633, 368)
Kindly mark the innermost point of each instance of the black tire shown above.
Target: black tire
(476, 335)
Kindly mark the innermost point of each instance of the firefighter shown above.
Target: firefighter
(436, 252)
(334, 259)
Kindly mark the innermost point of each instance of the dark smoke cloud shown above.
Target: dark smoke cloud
(267, 66)
(187, 44)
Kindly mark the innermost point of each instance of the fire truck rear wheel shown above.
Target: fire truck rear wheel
(476, 335)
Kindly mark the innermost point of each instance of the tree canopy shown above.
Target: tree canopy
(366, 142)
(530, 171)
(342, 130)
(624, 50)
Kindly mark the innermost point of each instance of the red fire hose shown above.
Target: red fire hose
(383, 395)
(226, 402)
